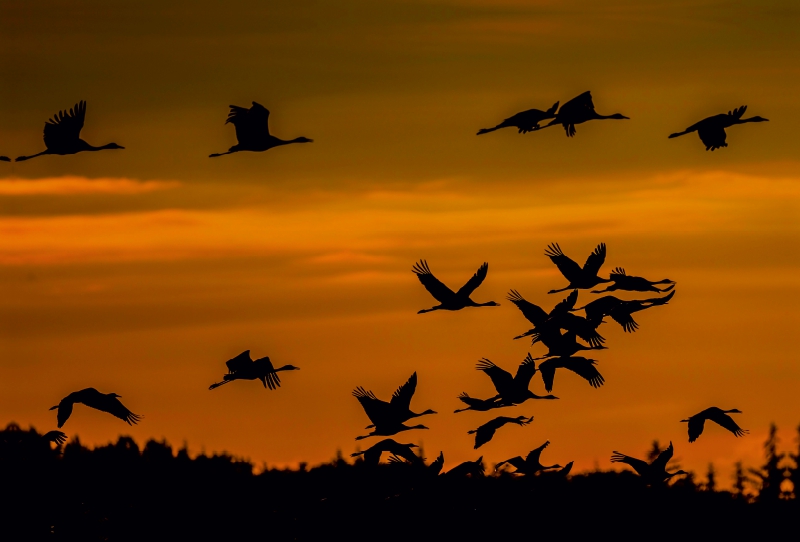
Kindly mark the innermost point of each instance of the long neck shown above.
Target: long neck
(23, 158)
(751, 119)
(284, 368)
(88, 147)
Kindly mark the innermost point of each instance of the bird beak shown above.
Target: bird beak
(53, 408)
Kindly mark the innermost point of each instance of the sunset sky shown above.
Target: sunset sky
(140, 271)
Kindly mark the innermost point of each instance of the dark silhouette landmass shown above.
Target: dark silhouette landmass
(124, 492)
(62, 134)
(712, 129)
(447, 298)
(524, 122)
(105, 402)
(252, 130)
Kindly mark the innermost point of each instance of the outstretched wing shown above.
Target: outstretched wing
(566, 304)
(401, 398)
(584, 368)
(56, 437)
(579, 105)
(638, 465)
(535, 454)
(547, 369)
(242, 361)
(112, 405)
(696, 424)
(660, 462)
(501, 378)
(375, 408)
(250, 124)
(435, 287)
(568, 267)
(595, 260)
(474, 282)
(525, 371)
(624, 318)
(65, 125)
(727, 422)
(533, 313)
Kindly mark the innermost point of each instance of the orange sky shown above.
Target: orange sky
(141, 271)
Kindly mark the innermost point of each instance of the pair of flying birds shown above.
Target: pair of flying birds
(581, 109)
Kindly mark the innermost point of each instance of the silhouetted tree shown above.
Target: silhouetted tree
(711, 478)
(740, 481)
(771, 474)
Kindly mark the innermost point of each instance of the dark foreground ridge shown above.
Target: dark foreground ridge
(123, 492)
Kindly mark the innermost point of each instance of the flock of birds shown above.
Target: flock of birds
(563, 332)
(62, 132)
(560, 330)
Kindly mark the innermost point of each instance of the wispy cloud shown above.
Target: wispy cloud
(79, 186)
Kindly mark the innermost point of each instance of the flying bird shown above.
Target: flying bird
(62, 134)
(579, 110)
(630, 283)
(621, 310)
(551, 324)
(468, 468)
(397, 410)
(585, 368)
(449, 300)
(531, 464)
(5, 159)
(105, 402)
(242, 367)
(651, 473)
(716, 415)
(485, 432)
(372, 455)
(433, 470)
(712, 129)
(512, 390)
(526, 121)
(579, 277)
(481, 405)
(252, 130)
(561, 345)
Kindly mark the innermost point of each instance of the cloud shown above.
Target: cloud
(68, 186)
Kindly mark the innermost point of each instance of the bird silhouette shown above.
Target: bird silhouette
(62, 134)
(557, 319)
(5, 159)
(56, 437)
(242, 367)
(565, 470)
(561, 344)
(372, 455)
(651, 473)
(531, 464)
(629, 283)
(449, 300)
(485, 432)
(105, 402)
(481, 405)
(620, 310)
(716, 415)
(433, 470)
(579, 110)
(467, 468)
(579, 277)
(585, 368)
(252, 130)
(526, 121)
(712, 129)
(512, 390)
(397, 410)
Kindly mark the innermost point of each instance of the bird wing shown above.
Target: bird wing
(713, 136)
(485, 432)
(738, 112)
(242, 361)
(566, 304)
(696, 424)
(585, 368)
(435, 287)
(579, 105)
(568, 267)
(437, 464)
(533, 313)
(269, 377)
(375, 408)
(110, 404)
(595, 260)
(501, 378)
(516, 462)
(534, 455)
(525, 371)
(65, 125)
(581, 327)
(404, 451)
(250, 124)
(624, 318)
(56, 437)
(663, 458)
(474, 281)
(638, 465)
(401, 398)
(727, 422)
(547, 369)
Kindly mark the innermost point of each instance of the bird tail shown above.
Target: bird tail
(486, 130)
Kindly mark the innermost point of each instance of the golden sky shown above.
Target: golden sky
(141, 271)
